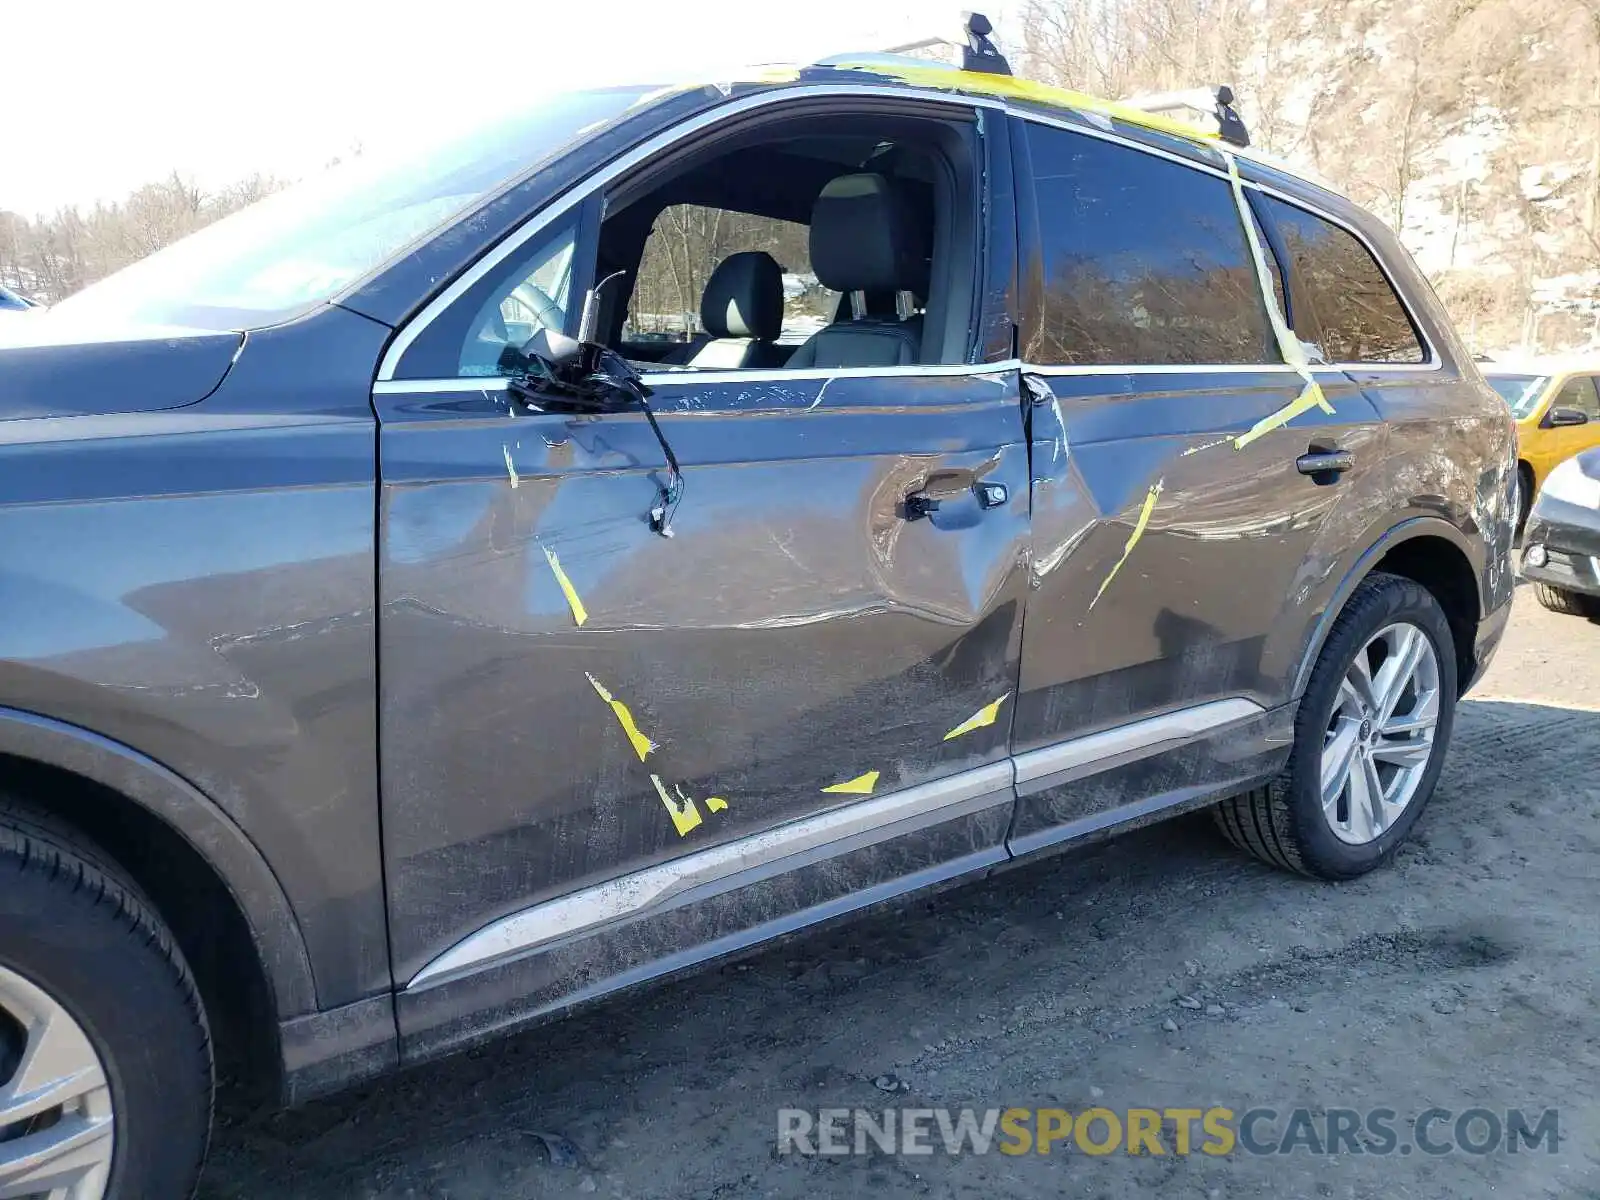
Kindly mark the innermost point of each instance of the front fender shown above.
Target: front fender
(201, 823)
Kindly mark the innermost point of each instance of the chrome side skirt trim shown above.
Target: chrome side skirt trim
(654, 887)
(734, 864)
(1039, 769)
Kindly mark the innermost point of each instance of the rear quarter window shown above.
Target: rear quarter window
(1145, 260)
(1361, 319)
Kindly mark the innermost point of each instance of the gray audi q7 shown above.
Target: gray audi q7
(408, 635)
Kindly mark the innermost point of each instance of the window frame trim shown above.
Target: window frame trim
(599, 180)
(1432, 360)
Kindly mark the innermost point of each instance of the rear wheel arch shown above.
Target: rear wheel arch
(1431, 552)
(203, 876)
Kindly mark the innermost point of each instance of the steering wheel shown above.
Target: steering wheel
(550, 314)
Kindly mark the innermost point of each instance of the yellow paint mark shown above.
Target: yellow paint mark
(685, 816)
(579, 613)
(1010, 87)
(715, 804)
(1133, 538)
(1310, 397)
(642, 745)
(861, 785)
(983, 718)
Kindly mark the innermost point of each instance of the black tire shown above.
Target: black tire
(1571, 604)
(1282, 823)
(75, 927)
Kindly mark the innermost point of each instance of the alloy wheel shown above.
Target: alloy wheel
(56, 1121)
(1380, 735)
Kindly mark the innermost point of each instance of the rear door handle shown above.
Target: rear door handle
(1325, 466)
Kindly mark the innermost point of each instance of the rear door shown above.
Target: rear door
(572, 703)
(1176, 541)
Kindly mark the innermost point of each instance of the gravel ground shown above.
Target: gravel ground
(1463, 976)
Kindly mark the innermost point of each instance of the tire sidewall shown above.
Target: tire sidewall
(1380, 601)
(128, 998)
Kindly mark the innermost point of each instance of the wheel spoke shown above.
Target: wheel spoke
(57, 1158)
(1395, 675)
(1404, 754)
(1337, 756)
(1424, 714)
(1359, 680)
(58, 1065)
(1376, 820)
(1360, 813)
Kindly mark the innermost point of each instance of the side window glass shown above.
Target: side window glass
(1362, 319)
(1579, 393)
(1145, 261)
(687, 243)
(483, 331)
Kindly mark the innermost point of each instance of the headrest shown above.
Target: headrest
(744, 298)
(862, 236)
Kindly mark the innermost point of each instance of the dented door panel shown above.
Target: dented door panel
(1168, 565)
(568, 696)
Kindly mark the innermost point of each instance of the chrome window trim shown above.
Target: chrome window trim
(640, 892)
(497, 383)
(654, 888)
(540, 221)
(1433, 360)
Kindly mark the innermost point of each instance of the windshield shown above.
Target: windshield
(303, 245)
(1521, 392)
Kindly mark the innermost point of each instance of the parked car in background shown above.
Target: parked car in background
(1561, 541)
(1049, 530)
(1557, 406)
(12, 302)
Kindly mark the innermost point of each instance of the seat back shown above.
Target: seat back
(741, 314)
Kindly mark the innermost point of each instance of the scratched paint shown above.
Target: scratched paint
(681, 808)
(861, 785)
(1310, 397)
(642, 745)
(1133, 538)
(982, 719)
(580, 614)
(511, 469)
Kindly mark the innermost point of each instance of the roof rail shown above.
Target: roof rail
(1215, 102)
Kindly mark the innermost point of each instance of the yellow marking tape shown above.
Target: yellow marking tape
(984, 717)
(1289, 345)
(685, 816)
(1011, 88)
(715, 804)
(642, 745)
(580, 614)
(861, 785)
(1133, 538)
(511, 469)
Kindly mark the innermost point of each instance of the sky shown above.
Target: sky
(111, 94)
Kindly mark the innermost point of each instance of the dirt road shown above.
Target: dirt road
(1463, 976)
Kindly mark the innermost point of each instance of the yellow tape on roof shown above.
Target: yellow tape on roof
(1008, 87)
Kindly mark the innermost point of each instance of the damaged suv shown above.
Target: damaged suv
(416, 626)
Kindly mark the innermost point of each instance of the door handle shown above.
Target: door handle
(1325, 466)
(928, 498)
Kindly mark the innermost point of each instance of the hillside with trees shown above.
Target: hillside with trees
(1472, 126)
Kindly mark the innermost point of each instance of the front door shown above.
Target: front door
(570, 697)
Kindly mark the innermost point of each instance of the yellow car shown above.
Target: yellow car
(1557, 407)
